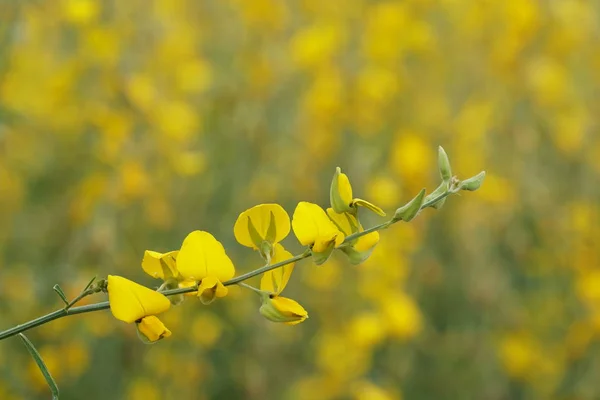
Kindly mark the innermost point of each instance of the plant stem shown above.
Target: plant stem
(63, 312)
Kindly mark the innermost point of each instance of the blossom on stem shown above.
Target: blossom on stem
(340, 196)
(202, 259)
(313, 228)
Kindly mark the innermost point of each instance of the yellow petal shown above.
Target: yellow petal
(160, 265)
(130, 301)
(344, 188)
(211, 288)
(290, 309)
(282, 309)
(202, 255)
(275, 281)
(186, 284)
(367, 242)
(345, 222)
(153, 328)
(260, 216)
(312, 226)
(370, 206)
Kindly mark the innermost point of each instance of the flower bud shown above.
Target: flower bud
(444, 164)
(340, 193)
(436, 193)
(473, 183)
(281, 309)
(151, 329)
(411, 209)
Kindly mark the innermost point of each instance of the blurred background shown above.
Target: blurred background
(124, 125)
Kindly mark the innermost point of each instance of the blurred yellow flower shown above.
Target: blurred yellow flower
(340, 196)
(130, 301)
(264, 223)
(313, 228)
(152, 328)
(203, 259)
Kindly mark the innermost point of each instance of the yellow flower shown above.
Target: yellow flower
(275, 280)
(314, 228)
(130, 302)
(264, 224)
(160, 265)
(340, 195)
(152, 329)
(210, 288)
(282, 309)
(274, 307)
(360, 249)
(203, 259)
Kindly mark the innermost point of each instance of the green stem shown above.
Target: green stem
(63, 312)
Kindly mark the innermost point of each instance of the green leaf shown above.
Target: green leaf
(41, 365)
(60, 293)
(89, 284)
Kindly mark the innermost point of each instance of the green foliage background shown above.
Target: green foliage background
(124, 125)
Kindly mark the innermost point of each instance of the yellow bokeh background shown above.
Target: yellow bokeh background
(124, 125)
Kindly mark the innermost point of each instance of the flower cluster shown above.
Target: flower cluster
(202, 268)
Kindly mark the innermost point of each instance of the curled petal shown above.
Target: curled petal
(340, 193)
(202, 255)
(270, 221)
(282, 309)
(211, 288)
(160, 265)
(152, 329)
(130, 301)
(275, 280)
(370, 206)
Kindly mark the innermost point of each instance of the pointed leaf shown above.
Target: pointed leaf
(60, 293)
(41, 365)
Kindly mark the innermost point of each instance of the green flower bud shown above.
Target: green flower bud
(444, 164)
(436, 193)
(473, 183)
(410, 209)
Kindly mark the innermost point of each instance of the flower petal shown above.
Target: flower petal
(130, 301)
(344, 188)
(311, 225)
(153, 329)
(211, 288)
(202, 255)
(160, 265)
(262, 216)
(290, 309)
(367, 242)
(347, 223)
(370, 206)
(275, 280)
